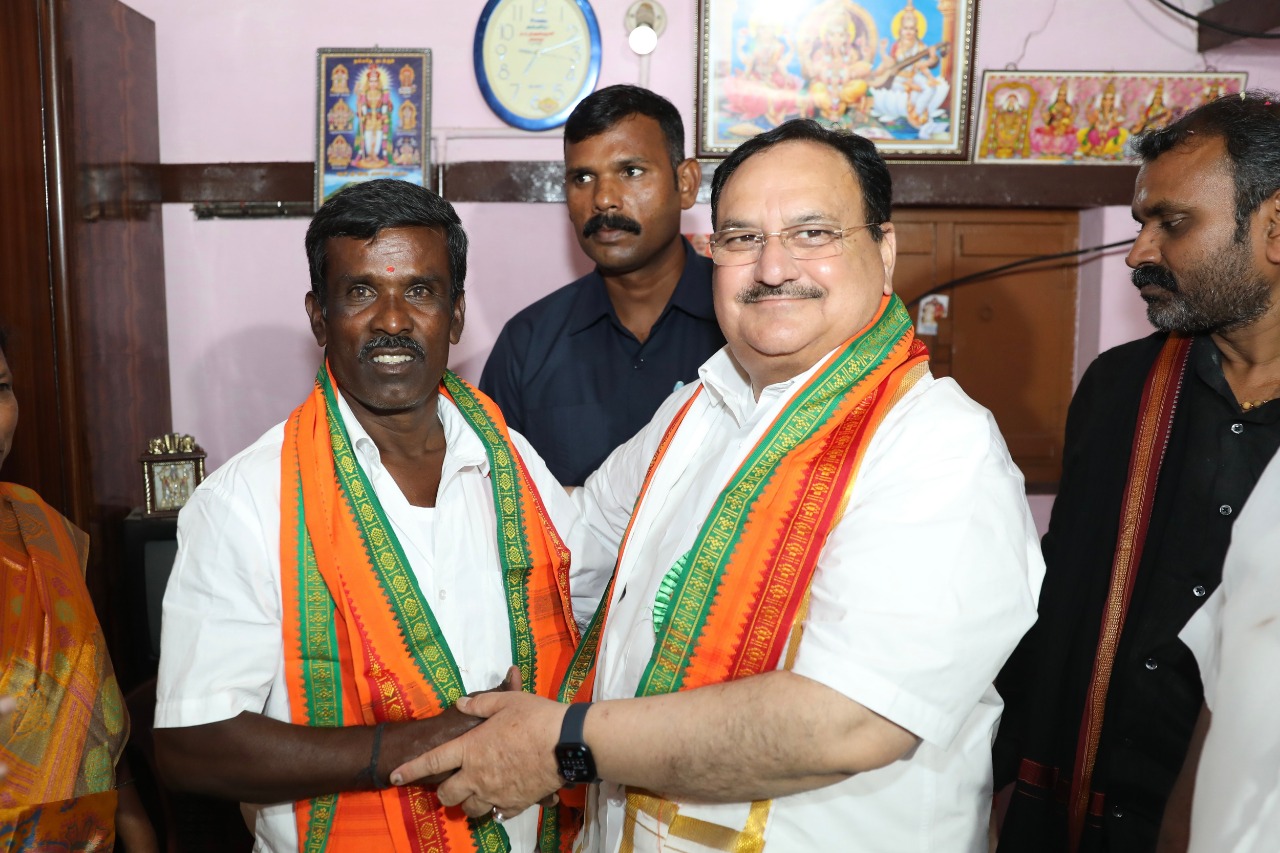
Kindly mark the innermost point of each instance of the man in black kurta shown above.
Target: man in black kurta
(1208, 265)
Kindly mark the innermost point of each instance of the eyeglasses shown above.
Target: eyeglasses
(735, 247)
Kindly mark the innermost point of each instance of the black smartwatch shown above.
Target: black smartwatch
(573, 756)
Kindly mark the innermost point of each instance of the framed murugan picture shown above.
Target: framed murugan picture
(896, 71)
(1084, 117)
(373, 116)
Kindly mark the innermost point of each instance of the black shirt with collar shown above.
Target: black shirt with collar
(1214, 457)
(575, 382)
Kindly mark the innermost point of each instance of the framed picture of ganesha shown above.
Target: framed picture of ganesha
(373, 117)
(896, 71)
(1066, 117)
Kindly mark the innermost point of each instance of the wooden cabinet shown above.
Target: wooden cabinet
(82, 265)
(1010, 340)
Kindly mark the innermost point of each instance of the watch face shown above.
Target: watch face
(535, 59)
(576, 763)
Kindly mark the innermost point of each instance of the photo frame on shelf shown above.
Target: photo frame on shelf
(1084, 117)
(172, 467)
(897, 71)
(373, 116)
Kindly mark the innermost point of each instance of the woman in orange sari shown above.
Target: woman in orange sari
(66, 725)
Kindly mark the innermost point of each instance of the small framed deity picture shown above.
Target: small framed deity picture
(172, 467)
(1073, 117)
(373, 117)
(896, 71)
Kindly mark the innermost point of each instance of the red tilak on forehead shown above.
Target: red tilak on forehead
(391, 269)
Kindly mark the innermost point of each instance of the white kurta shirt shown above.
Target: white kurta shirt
(1235, 637)
(920, 594)
(222, 635)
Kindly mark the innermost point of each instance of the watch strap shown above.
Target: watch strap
(574, 721)
(573, 756)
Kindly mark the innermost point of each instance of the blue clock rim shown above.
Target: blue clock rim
(555, 119)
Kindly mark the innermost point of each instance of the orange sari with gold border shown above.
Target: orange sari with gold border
(62, 744)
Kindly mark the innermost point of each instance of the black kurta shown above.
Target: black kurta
(1215, 455)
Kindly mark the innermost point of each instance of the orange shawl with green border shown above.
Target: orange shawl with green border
(361, 643)
(734, 602)
(62, 744)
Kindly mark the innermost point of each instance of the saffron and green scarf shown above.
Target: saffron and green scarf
(362, 645)
(736, 600)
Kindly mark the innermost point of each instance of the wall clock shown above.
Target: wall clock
(536, 59)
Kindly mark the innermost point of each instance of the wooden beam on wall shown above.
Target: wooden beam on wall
(286, 188)
(1255, 16)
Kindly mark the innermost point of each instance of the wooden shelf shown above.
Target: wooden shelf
(286, 188)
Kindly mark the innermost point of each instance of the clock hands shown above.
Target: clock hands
(564, 43)
(542, 50)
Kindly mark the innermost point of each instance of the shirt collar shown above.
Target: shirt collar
(729, 386)
(1207, 362)
(463, 447)
(692, 294)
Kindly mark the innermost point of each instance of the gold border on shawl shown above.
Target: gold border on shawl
(1165, 384)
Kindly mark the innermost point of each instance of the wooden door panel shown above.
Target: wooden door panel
(26, 310)
(1010, 340)
(82, 267)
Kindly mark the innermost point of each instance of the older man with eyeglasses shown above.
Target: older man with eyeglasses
(826, 556)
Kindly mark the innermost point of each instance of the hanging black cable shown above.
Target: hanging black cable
(1216, 26)
(988, 273)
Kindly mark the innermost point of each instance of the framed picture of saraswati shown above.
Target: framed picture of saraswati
(1084, 117)
(373, 117)
(896, 71)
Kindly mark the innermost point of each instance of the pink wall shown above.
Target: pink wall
(237, 82)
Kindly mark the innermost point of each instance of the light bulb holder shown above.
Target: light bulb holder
(642, 16)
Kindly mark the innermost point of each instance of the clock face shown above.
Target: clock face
(535, 59)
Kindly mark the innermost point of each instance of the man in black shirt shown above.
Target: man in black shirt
(581, 370)
(1165, 439)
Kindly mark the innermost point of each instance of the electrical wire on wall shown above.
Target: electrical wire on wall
(1214, 25)
(983, 275)
(1013, 66)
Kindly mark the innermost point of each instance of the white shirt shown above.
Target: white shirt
(920, 594)
(1235, 637)
(222, 640)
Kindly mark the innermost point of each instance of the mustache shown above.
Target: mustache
(612, 221)
(391, 342)
(1156, 275)
(759, 292)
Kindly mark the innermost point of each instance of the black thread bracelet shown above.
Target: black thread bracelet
(371, 772)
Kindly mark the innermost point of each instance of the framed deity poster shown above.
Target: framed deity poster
(1074, 117)
(373, 116)
(896, 71)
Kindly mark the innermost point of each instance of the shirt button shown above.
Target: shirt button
(444, 593)
(1237, 428)
(1198, 591)
(1116, 811)
(1151, 664)
(1225, 509)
